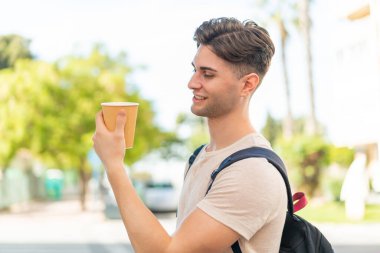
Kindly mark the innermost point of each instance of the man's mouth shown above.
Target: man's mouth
(197, 97)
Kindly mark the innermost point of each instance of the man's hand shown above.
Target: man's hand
(199, 233)
(110, 146)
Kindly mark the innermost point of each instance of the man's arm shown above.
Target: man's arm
(199, 232)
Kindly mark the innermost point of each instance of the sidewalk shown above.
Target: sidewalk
(353, 238)
(62, 227)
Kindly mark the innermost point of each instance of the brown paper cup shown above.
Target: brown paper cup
(110, 110)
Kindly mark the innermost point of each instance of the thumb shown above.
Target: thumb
(121, 119)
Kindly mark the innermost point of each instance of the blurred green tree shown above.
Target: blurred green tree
(307, 157)
(50, 109)
(272, 129)
(12, 48)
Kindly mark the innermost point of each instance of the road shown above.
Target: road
(60, 227)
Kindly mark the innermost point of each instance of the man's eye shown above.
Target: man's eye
(207, 75)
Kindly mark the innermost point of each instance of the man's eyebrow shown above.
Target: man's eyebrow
(205, 68)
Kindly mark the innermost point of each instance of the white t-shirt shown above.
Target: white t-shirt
(249, 196)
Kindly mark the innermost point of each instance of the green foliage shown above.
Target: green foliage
(50, 108)
(299, 147)
(334, 186)
(334, 212)
(272, 129)
(12, 48)
(342, 156)
(307, 156)
(21, 95)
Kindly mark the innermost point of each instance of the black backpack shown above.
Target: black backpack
(298, 235)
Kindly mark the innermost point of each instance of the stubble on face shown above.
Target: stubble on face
(220, 91)
(216, 105)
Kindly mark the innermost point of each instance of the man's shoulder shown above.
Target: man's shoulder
(250, 140)
(254, 139)
(255, 174)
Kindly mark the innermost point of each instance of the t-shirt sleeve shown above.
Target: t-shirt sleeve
(245, 196)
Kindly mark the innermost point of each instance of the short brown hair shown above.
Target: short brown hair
(245, 45)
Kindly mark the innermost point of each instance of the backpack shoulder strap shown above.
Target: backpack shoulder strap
(268, 154)
(193, 157)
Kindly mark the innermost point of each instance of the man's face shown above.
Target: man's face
(215, 86)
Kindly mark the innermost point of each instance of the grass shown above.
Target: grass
(334, 212)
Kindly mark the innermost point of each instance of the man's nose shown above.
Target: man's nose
(194, 82)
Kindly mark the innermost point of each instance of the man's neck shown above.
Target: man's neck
(227, 130)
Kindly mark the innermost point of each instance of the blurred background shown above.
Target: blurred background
(319, 105)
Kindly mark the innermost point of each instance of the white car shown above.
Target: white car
(157, 196)
(161, 196)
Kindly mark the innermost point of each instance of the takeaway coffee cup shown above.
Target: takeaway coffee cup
(110, 111)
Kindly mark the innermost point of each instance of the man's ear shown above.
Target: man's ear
(250, 82)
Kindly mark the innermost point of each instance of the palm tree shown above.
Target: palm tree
(277, 11)
(288, 122)
(312, 127)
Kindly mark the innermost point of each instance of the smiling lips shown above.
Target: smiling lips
(198, 98)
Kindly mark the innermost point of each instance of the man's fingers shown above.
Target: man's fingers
(120, 121)
(99, 121)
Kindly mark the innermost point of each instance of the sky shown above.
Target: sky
(158, 35)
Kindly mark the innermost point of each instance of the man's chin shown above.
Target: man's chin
(197, 112)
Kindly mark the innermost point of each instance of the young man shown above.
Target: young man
(247, 201)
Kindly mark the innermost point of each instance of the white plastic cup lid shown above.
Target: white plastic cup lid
(119, 104)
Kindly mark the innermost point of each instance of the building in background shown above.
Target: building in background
(355, 86)
(355, 83)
